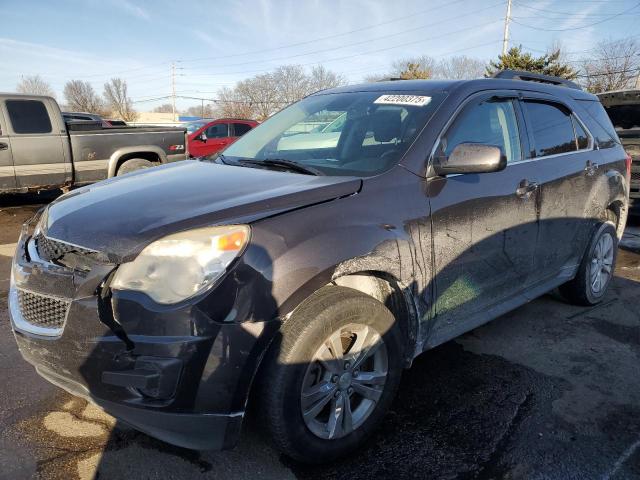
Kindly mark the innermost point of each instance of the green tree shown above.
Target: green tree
(414, 71)
(547, 64)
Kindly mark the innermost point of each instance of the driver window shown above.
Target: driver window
(489, 122)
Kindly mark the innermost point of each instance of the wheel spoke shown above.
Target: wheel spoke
(316, 397)
(367, 392)
(608, 245)
(370, 378)
(328, 361)
(335, 344)
(336, 417)
(594, 273)
(370, 343)
(347, 423)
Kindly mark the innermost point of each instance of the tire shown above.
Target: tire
(134, 164)
(585, 289)
(291, 374)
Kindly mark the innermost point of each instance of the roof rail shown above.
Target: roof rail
(535, 77)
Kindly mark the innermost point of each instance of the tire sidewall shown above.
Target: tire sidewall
(292, 366)
(128, 166)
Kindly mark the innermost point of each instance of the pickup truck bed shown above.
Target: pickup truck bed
(39, 151)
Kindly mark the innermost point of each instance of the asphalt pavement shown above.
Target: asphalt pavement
(547, 391)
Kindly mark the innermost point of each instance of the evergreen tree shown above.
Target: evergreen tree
(547, 64)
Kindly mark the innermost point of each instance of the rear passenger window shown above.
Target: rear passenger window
(551, 128)
(488, 122)
(240, 129)
(218, 130)
(28, 116)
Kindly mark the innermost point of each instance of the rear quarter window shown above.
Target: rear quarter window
(28, 116)
(599, 124)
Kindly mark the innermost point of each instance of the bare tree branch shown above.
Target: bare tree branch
(34, 85)
(613, 65)
(81, 97)
(115, 93)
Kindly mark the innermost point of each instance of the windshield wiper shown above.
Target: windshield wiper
(287, 164)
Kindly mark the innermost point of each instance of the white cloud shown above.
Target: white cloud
(132, 9)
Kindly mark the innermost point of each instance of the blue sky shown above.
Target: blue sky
(216, 43)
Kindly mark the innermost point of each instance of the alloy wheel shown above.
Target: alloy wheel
(601, 264)
(344, 381)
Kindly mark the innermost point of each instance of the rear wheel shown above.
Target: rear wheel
(596, 270)
(134, 164)
(333, 375)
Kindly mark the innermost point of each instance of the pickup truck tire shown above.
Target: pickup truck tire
(596, 269)
(132, 165)
(318, 405)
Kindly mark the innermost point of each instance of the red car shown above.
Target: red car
(207, 137)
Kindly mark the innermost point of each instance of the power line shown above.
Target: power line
(543, 10)
(346, 57)
(576, 28)
(327, 37)
(362, 42)
(281, 47)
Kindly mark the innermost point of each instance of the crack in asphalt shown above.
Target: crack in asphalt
(622, 459)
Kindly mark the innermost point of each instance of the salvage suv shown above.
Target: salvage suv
(307, 279)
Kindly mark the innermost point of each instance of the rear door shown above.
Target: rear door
(484, 225)
(37, 142)
(566, 164)
(239, 129)
(7, 172)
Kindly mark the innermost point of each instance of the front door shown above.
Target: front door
(7, 172)
(37, 143)
(483, 225)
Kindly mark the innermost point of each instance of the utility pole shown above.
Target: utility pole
(173, 90)
(505, 37)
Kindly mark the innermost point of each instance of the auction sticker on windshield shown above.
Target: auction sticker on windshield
(415, 100)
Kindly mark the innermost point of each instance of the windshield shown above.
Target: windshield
(352, 133)
(193, 126)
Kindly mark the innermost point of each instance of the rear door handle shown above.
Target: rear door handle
(4, 146)
(526, 188)
(591, 168)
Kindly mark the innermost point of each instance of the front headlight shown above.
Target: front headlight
(182, 265)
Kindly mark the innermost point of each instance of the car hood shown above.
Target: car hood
(121, 216)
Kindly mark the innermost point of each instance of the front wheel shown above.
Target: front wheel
(332, 376)
(596, 269)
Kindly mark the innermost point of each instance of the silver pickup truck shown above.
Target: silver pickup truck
(623, 108)
(40, 151)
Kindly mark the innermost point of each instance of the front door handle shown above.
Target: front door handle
(591, 168)
(526, 188)
(4, 146)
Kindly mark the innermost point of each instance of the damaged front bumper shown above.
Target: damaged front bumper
(177, 374)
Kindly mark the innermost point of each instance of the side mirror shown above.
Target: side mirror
(203, 137)
(471, 158)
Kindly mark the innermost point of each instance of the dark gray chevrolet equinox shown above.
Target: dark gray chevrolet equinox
(315, 258)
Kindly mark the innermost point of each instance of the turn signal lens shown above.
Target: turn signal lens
(232, 241)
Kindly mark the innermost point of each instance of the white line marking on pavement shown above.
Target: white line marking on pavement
(623, 458)
(8, 249)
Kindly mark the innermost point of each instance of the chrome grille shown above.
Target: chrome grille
(41, 310)
(49, 249)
